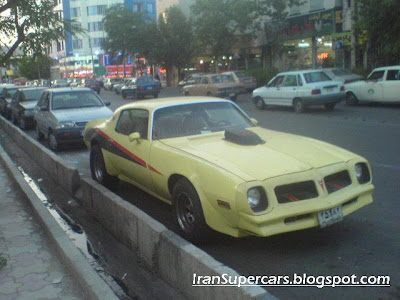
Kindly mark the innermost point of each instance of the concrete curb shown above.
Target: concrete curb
(92, 284)
(173, 258)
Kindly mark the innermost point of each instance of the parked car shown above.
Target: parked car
(248, 82)
(343, 75)
(62, 114)
(118, 87)
(188, 80)
(300, 89)
(23, 104)
(140, 87)
(109, 84)
(7, 93)
(382, 85)
(92, 84)
(217, 85)
(219, 170)
(61, 83)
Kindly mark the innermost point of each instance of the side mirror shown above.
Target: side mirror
(107, 103)
(134, 137)
(254, 121)
(44, 108)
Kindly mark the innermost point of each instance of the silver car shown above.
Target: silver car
(61, 114)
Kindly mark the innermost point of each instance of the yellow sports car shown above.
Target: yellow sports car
(219, 170)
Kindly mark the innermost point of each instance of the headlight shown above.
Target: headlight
(257, 199)
(67, 124)
(362, 173)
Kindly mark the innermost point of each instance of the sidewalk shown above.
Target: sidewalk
(29, 267)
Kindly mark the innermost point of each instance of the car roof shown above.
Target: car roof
(387, 68)
(299, 71)
(153, 104)
(67, 89)
(34, 88)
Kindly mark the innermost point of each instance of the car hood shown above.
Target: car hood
(82, 114)
(281, 154)
(28, 105)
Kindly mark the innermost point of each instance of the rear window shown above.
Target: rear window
(241, 74)
(341, 72)
(313, 77)
(33, 95)
(79, 99)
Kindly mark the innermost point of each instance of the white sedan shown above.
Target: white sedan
(382, 85)
(300, 89)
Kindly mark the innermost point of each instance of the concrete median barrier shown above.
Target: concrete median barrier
(174, 259)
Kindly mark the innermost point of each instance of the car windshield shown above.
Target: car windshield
(341, 72)
(114, 80)
(32, 95)
(197, 118)
(78, 99)
(222, 78)
(313, 77)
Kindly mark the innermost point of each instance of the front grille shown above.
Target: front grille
(297, 218)
(80, 124)
(337, 181)
(296, 192)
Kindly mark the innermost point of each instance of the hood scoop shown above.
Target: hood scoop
(242, 137)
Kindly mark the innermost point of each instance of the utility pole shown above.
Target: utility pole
(91, 53)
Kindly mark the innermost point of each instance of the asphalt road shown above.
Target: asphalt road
(365, 243)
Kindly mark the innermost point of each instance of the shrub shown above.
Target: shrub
(263, 75)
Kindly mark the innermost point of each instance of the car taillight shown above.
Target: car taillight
(316, 92)
(342, 88)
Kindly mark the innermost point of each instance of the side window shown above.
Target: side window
(46, 101)
(198, 80)
(15, 97)
(276, 82)
(290, 80)
(376, 76)
(393, 75)
(133, 120)
(299, 80)
(204, 80)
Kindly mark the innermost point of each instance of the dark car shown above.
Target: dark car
(140, 87)
(23, 104)
(92, 84)
(5, 99)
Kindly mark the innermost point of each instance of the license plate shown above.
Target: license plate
(231, 94)
(330, 216)
(149, 87)
(329, 89)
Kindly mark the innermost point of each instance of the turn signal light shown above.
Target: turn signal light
(342, 88)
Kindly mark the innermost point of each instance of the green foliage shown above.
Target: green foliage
(32, 24)
(263, 75)
(379, 30)
(34, 67)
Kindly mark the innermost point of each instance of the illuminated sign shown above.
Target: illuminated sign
(323, 55)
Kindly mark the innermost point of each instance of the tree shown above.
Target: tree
(378, 28)
(34, 67)
(123, 27)
(32, 24)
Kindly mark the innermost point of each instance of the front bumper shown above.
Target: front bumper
(69, 135)
(324, 99)
(303, 214)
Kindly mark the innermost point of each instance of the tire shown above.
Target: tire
(298, 106)
(259, 103)
(330, 106)
(13, 119)
(98, 92)
(156, 95)
(351, 99)
(52, 141)
(116, 91)
(39, 135)
(98, 168)
(22, 123)
(188, 212)
(123, 95)
(187, 93)
(209, 94)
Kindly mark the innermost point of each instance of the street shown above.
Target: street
(365, 243)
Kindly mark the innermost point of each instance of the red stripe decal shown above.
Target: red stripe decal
(127, 152)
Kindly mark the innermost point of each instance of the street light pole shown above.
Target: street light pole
(91, 53)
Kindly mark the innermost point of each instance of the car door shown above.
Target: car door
(14, 103)
(373, 90)
(134, 156)
(41, 111)
(391, 86)
(272, 89)
(288, 90)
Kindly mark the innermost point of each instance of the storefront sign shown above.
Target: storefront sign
(312, 25)
(344, 38)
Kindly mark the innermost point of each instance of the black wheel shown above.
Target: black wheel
(13, 119)
(155, 95)
(187, 93)
(329, 106)
(22, 123)
(209, 94)
(351, 99)
(53, 143)
(39, 135)
(298, 106)
(98, 92)
(116, 91)
(123, 95)
(259, 103)
(189, 213)
(98, 168)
